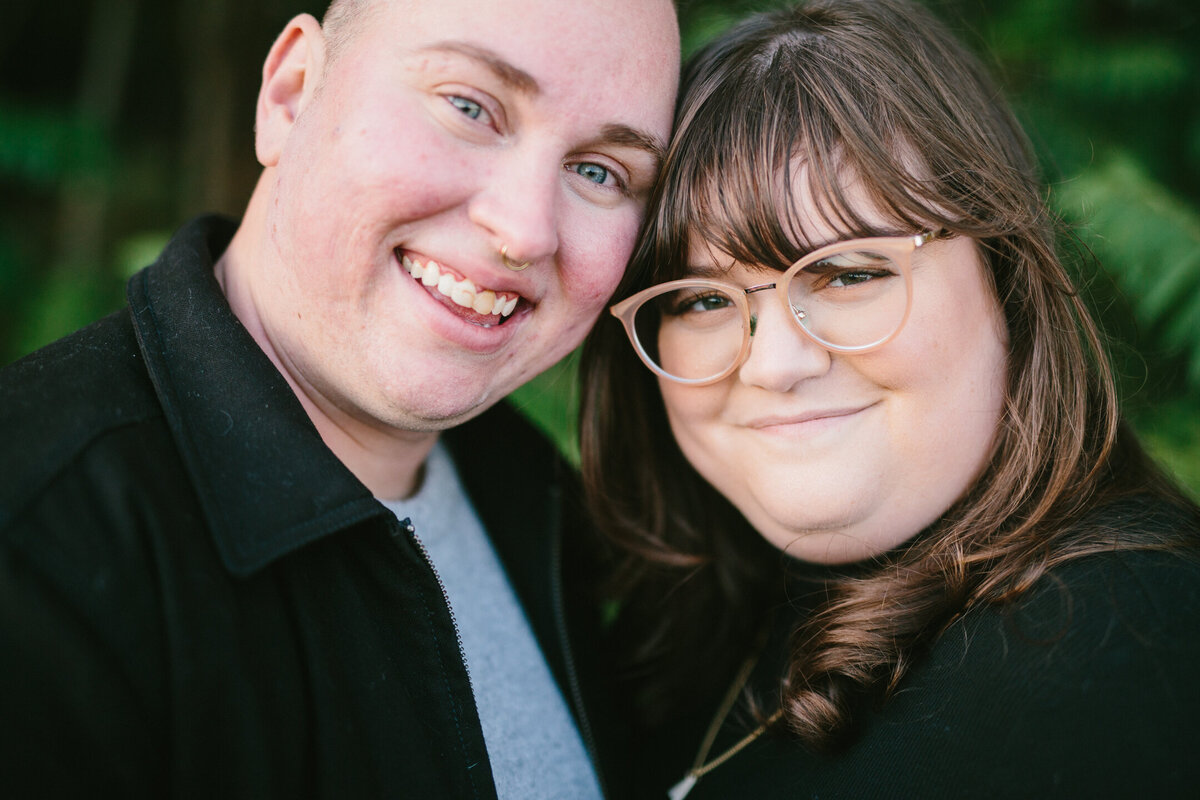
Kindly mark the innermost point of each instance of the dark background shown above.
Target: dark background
(120, 119)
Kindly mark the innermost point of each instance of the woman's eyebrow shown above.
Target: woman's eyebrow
(514, 77)
(707, 271)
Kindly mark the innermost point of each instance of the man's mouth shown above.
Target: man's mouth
(492, 307)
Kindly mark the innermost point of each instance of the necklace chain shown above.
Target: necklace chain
(699, 768)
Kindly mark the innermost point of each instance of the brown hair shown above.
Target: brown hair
(881, 92)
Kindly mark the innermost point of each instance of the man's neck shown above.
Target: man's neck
(387, 460)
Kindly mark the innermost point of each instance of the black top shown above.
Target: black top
(197, 599)
(1088, 686)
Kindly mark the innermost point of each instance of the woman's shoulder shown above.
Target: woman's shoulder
(1134, 581)
(1138, 594)
(1119, 621)
(1109, 613)
(1085, 684)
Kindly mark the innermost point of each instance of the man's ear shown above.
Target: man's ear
(290, 76)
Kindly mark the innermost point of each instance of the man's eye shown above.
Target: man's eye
(467, 107)
(593, 172)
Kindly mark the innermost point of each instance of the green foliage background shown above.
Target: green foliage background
(119, 119)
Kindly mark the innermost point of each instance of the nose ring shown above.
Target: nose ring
(510, 263)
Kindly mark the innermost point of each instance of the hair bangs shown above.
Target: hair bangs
(806, 152)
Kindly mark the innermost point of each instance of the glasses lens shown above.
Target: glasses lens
(691, 333)
(850, 300)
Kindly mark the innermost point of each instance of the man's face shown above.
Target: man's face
(443, 131)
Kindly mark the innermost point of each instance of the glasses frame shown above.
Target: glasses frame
(901, 247)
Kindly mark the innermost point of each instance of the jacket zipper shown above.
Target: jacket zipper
(560, 623)
(407, 526)
(411, 530)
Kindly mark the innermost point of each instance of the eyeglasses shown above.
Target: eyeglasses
(847, 297)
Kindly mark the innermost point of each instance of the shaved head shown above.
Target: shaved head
(341, 19)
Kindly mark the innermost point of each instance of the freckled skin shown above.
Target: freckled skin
(844, 489)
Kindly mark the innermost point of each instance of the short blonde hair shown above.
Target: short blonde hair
(341, 19)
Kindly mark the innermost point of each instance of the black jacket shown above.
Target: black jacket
(197, 599)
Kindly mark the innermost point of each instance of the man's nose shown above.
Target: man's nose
(781, 356)
(518, 201)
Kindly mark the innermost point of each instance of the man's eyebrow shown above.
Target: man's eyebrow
(522, 81)
(516, 78)
(615, 133)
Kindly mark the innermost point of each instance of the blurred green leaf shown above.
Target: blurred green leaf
(1120, 72)
(704, 24)
(1029, 29)
(69, 300)
(1172, 434)
(1149, 239)
(139, 250)
(44, 146)
(551, 401)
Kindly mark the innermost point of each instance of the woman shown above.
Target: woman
(884, 530)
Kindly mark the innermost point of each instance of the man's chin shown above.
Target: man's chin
(438, 417)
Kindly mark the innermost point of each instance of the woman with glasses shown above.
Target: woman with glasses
(883, 530)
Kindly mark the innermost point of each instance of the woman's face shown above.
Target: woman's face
(833, 457)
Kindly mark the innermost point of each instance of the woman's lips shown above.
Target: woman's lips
(815, 415)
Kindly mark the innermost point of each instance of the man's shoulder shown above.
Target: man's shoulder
(57, 401)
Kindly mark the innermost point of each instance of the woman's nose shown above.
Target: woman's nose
(781, 356)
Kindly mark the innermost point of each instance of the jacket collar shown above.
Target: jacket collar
(265, 480)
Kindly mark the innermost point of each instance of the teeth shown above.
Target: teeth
(464, 292)
(485, 301)
(430, 278)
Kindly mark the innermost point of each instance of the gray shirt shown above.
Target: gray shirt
(534, 747)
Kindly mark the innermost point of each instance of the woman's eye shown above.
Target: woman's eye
(697, 303)
(850, 269)
(468, 107)
(852, 278)
(592, 172)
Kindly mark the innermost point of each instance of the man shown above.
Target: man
(230, 536)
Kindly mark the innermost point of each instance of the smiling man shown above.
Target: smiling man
(237, 555)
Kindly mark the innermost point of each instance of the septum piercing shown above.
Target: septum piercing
(508, 262)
